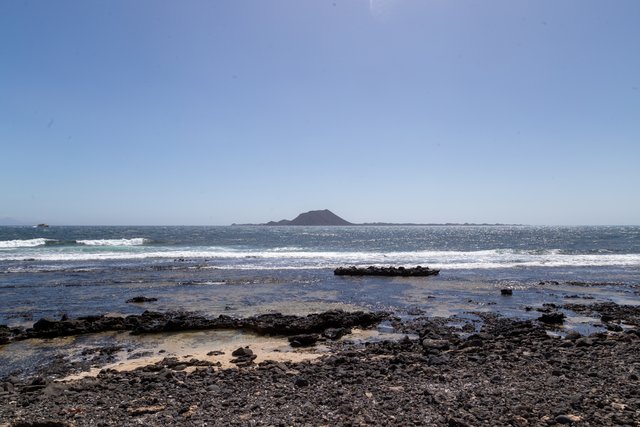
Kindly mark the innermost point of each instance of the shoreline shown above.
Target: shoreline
(449, 372)
(290, 294)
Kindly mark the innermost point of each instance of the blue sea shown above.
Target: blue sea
(243, 270)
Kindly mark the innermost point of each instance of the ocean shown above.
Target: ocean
(243, 270)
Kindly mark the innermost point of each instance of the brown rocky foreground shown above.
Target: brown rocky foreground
(510, 373)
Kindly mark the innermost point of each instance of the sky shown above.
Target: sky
(214, 112)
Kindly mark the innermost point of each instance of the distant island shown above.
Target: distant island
(325, 217)
(321, 217)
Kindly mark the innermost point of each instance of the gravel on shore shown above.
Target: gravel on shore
(510, 373)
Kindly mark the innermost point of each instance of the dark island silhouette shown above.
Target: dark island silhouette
(325, 217)
(321, 217)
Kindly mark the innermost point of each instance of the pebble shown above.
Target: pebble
(567, 419)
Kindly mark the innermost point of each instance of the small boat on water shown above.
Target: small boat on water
(43, 225)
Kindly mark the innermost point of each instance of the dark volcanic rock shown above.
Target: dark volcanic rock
(45, 324)
(573, 335)
(518, 376)
(567, 419)
(242, 352)
(45, 423)
(301, 382)
(7, 334)
(418, 271)
(434, 345)
(335, 333)
(552, 318)
(303, 340)
(47, 328)
(243, 356)
(140, 299)
(610, 313)
(279, 324)
(337, 322)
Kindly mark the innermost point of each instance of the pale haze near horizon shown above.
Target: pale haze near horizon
(198, 112)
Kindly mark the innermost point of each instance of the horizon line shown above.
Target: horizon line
(370, 224)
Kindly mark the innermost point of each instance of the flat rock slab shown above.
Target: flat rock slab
(418, 271)
(140, 299)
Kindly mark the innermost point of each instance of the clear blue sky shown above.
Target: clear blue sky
(213, 112)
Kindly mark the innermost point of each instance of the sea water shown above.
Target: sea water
(242, 270)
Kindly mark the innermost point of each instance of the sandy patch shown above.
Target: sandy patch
(211, 346)
(216, 346)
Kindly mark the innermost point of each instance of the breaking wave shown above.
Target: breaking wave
(28, 243)
(287, 258)
(138, 241)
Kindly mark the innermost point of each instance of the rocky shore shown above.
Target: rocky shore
(332, 323)
(501, 372)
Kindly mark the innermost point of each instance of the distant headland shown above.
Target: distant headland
(325, 217)
(320, 217)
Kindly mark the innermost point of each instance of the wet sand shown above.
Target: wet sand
(215, 347)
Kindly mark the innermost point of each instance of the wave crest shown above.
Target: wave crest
(136, 241)
(28, 243)
(218, 257)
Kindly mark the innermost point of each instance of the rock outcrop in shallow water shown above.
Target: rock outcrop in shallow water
(325, 323)
(609, 312)
(418, 271)
(140, 299)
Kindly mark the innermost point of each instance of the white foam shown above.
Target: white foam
(285, 258)
(137, 241)
(29, 243)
